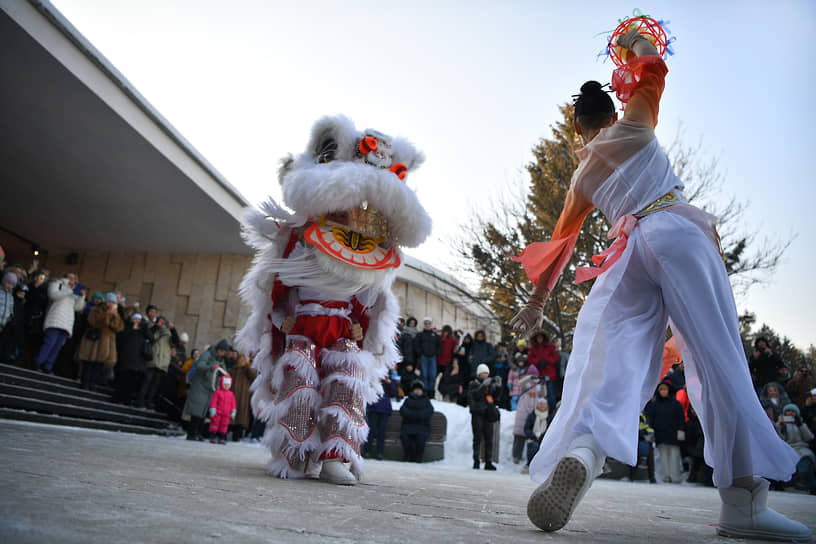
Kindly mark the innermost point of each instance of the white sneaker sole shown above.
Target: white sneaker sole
(551, 505)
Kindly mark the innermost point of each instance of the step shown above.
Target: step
(42, 385)
(25, 402)
(37, 375)
(36, 417)
(77, 397)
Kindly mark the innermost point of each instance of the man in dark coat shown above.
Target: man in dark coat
(483, 391)
(130, 361)
(482, 352)
(765, 365)
(416, 412)
(428, 346)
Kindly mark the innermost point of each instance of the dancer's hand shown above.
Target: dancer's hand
(531, 316)
(288, 324)
(356, 332)
(628, 40)
(528, 319)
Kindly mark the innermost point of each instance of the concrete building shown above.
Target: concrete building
(97, 182)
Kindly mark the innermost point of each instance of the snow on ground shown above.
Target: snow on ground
(459, 440)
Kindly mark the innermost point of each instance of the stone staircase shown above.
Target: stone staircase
(28, 395)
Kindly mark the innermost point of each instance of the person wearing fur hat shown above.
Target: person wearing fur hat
(795, 432)
(324, 317)
(483, 391)
(665, 415)
(416, 412)
(98, 345)
(222, 408)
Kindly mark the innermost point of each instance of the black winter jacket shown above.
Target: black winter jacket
(416, 412)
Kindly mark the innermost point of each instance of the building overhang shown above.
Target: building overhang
(86, 163)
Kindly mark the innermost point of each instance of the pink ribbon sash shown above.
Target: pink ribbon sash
(620, 231)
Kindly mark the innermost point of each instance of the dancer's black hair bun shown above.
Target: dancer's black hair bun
(591, 87)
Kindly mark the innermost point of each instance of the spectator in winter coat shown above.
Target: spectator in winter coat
(699, 471)
(448, 342)
(464, 350)
(157, 367)
(98, 345)
(520, 369)
(543, 355)
(427, 345)
(795, 432)
(534, 428)
(35, 308)
(809, 410)
(131, 363)
(665, 416)
(645, 449)
(222, 409)
(765, 365)
(529, 393)
(408, 365)
(377, 415)
(242, 375)
(452, 383)
(773, 398)
(198, 397)
(7, 303)
(800, 385)
(482, 352)
(59, 320)
(416, 412)
(482, 393)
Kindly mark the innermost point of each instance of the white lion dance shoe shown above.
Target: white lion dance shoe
(745, 514)
(335, 472)
(552, 504)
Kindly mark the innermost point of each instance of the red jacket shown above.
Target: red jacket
(445, 356)
(544, 357)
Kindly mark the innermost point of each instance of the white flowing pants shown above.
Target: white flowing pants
(669, 272)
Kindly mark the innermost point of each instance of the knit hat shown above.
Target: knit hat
(793, 407)
(111, 297)
(482, 369)
(428, 319)
(417, 384)
(226, 381)
(97, 295)
(184, 337)
(10, 277)
(522, 343)
(223, 345)
(137, 315)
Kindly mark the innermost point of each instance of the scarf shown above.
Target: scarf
(540, 424)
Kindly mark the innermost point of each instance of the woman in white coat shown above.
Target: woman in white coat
(59, 319)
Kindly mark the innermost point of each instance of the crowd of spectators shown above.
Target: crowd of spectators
(59, 326)
(53, 325)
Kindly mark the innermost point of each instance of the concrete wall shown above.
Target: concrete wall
(199, 292)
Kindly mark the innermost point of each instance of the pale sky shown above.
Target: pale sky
(475, 85)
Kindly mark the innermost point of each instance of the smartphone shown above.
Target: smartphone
(788, 419)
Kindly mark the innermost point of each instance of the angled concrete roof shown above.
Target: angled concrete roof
(86, 162)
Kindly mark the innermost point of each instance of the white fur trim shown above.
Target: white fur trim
(357, 433)
(279, 467)
(380, 339)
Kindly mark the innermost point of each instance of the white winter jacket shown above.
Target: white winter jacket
(64, 304)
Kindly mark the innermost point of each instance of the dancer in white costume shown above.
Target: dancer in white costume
(324, 319)
(665, 267)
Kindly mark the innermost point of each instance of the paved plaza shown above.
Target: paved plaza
(74, 485)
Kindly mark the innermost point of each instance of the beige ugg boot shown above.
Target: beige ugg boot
(745, 514)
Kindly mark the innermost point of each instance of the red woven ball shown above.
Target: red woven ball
(647, 27)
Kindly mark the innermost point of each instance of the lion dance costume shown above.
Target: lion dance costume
(323, 318)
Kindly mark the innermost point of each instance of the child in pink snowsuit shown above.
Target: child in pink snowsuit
(222, 410)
